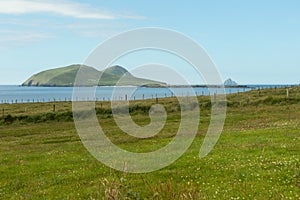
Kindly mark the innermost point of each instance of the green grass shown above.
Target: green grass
(256, 157)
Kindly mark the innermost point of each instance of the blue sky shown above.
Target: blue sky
(252, 42)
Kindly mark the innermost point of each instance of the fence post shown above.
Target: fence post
(53, 107)
(287, 93)
(3, 112)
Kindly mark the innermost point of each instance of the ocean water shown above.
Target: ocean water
(18, 94)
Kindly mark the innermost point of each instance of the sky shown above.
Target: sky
(252, 42)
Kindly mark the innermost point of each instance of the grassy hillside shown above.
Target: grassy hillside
(257, 156)
(65, 76)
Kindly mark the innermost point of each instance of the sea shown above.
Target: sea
(18, 94)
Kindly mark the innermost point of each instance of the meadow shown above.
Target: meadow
(256, 157)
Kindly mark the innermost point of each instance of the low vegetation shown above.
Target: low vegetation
(257, 156)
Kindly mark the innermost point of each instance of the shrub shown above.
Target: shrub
(9, 119)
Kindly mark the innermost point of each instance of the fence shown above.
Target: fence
(143, 96)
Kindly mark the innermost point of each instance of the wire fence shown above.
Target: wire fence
(125, 97)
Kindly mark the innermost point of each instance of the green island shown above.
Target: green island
(66, 77)
(256, 157)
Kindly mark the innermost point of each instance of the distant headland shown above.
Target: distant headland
(66, 76)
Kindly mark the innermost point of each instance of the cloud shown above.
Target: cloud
(14, 32)
(102, 30)
(64, 8)
(15, 37)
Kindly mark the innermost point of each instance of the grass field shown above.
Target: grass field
(256, 157)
